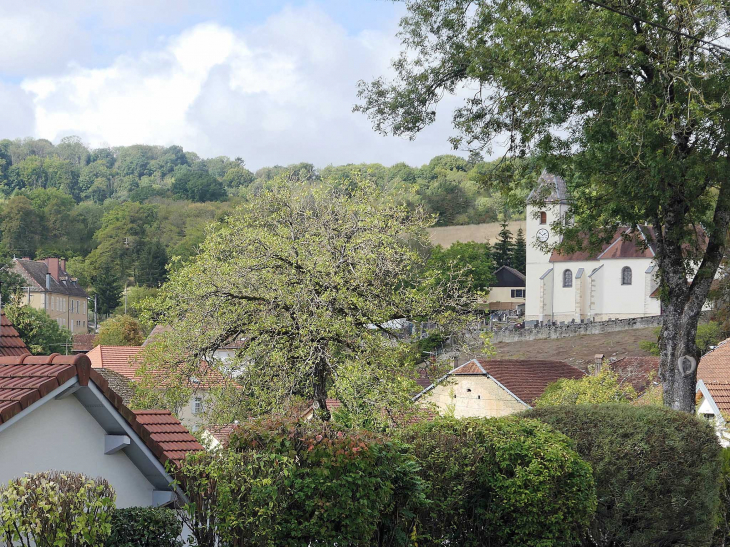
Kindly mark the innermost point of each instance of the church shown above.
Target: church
(618, 281)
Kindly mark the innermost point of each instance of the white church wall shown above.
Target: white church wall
(623, 301)
(538, 262)
(565, 298)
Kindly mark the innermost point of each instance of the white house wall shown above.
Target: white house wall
(62, 436)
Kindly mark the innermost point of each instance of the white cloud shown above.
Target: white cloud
(281, 92)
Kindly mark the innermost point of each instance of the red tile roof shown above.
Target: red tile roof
(623, 244)
(10, 342)
(638, 371)
(714, 366)
(526, 379)
(222, 433)
(720, 392)
(83, 342)
(26, 379)
(126, 360)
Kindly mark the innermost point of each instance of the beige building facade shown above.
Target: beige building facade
(50, 288)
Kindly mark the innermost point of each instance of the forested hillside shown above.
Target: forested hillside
(121, 214)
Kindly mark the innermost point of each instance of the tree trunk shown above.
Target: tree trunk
(320, 392)
(679, 329)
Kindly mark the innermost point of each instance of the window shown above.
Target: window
(518, 293)
(567, 278)
(197, 405)
(626, 276)
(543, 217)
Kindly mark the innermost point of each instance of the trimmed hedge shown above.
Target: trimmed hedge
(656, 472)
(500, 482)
(144, 527)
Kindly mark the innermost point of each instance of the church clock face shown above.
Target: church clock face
(543, 235)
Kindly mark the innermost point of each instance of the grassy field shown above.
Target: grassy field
(578, 350)
(479, 233)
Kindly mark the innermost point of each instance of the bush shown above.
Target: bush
(287, 483)
(656, 472)
(722, 532)
(144, 527)
(500, 482)
(55, 509)
(604, 387)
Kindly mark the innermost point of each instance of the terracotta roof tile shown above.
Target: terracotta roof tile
(714, 366)
(83, 342)
(526, 379)
(26, 379)
(10, 341)
(638, 371)
(720, 392)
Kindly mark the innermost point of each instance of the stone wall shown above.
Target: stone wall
(543, 332)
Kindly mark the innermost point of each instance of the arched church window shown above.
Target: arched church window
(567, 278)
(626, 276)
(543, 217)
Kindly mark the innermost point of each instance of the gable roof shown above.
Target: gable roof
(625, 243)
(83, 343)
(122, 386)
(638, 371)
(120, 359)
(26, 381)
(34, 272)
(508, 277)
(550, 189)
(714, 366)
(719, 393)
(525, 379)
(10, 342)
(126, 360)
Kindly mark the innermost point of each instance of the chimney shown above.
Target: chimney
(53, 267)
(63, 264)
(48, 281)
(598, 359)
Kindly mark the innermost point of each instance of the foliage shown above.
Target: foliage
(604, 387)
(55, 509)
(311, 279)
(121, 330)
(504, 248)
(500, 482)
(198, 186)
(656, 472)
(708, 334)
(41, 334)
(722, 532)
(144, 527)
(107, 289)
(627, 103)
(473, 259)
(519, 252)
(288, 483)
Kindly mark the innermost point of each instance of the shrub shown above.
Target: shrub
(722, 532)
(500, 482)
(55, 509)
(656, 472)
(288, 483)
(144, 527)
(604, 387)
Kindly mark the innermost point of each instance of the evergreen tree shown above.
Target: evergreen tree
(519, 252)
(503, 248)
(108, 290)
(151, 265)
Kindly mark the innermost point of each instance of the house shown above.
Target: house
(713, 404)
(83, 343)
(56, 412)
(495, 387)
(508, 292)
(50, 288)
(617, 281)
(641, 372)
(11, 344)
(126, 360)
(225, 353)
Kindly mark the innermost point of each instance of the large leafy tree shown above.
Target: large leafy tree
(473, 261)
(627, 100)
(310, 280)
(121, 330)
(41, 334)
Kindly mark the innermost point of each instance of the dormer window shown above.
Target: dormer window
(543, 217)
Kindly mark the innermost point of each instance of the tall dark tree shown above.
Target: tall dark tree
(108, 289)
(519, 252)
(627, 101)
(503, 248)
(151, 265)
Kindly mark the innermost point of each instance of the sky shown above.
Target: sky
(271, 81)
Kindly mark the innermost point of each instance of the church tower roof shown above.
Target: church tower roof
(550, 189)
